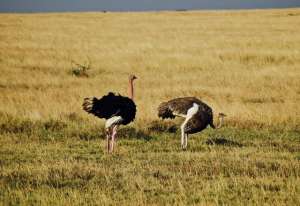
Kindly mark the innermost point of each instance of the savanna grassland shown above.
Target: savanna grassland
(243, 63)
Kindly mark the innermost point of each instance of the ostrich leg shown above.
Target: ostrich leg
(190, 113)
(183, 134)
(185, 141)
(108, 138)
(113, 137)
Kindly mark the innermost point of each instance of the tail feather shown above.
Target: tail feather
(88, 104)
(164, 111)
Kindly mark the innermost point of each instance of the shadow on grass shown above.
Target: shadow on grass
(223, 142)
(132, 133)
(160, 126)
(123, 133)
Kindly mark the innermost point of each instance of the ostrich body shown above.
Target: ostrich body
(116, 109)
(197, 114)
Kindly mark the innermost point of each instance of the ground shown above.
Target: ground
(242, 63)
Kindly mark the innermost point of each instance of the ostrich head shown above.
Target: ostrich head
(221, 119)
(132, 77)
(222, 115)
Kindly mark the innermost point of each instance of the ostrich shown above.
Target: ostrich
(197, 115)
(116, 109)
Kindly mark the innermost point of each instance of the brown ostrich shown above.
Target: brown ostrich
(197, 114)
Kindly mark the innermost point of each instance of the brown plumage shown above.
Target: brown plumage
(180, 106)
(197, 114)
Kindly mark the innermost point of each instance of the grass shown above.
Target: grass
(63, 163)
(242, 63)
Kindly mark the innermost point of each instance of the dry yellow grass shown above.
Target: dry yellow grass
(243, 63)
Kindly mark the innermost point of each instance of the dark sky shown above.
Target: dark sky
(137, 5)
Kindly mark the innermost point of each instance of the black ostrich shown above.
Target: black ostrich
(116, 109)
(197, 114)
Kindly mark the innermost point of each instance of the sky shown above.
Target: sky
(137, 5)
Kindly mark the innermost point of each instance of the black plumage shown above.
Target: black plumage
(116, 109)
(111, 105)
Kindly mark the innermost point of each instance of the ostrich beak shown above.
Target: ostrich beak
(222, 115)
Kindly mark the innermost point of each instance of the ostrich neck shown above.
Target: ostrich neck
(130, 90)
(220, 123)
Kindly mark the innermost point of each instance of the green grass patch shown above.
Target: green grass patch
(64, 162)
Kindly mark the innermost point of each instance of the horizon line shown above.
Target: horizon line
(146, 10)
